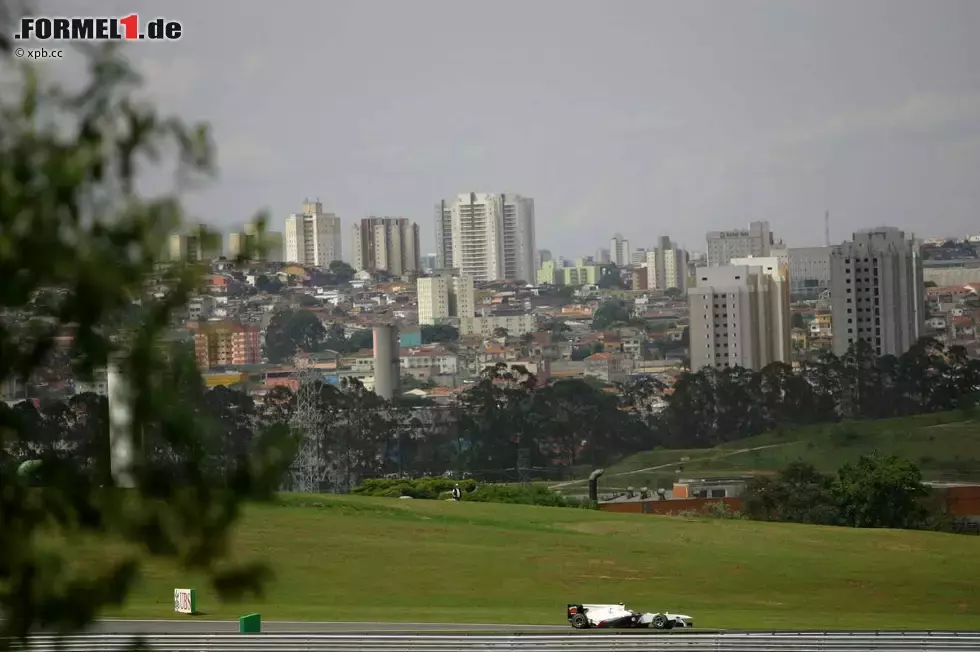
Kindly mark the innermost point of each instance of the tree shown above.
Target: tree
(798, 494)
(362, 430)
(292, 331)
(611, 278)
(880, 491)
(268, 284)
(497, 419)
(342, 272)
(71, 218)
(611, 311)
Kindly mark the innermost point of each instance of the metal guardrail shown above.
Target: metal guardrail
(572, 642)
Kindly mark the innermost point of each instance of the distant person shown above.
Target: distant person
(457, 494)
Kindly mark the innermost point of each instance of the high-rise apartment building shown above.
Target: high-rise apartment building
(445, 295)
(389, 244)
(666, 266)
(487, 236)
(221, 344)
(619, 251)
(739, 315)
(542, 256)
(195, 245)
(238, 241)
(312, 237)
(775, 322)
(876, 290)
(755, 241)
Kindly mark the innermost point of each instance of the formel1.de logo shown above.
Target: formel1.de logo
(109, 28)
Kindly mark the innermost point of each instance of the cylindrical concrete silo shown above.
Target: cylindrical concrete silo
(387, 367)
(120, 428)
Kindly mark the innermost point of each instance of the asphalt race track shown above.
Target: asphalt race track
(195, 626)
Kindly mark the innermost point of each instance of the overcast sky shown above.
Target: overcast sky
(646, 117)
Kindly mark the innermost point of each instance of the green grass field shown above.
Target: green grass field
(362, 559)
(945, 446)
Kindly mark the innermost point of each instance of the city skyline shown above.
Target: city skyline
(873, 120)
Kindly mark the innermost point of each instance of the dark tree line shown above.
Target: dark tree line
(712, 407)
(294, 331)
(506, 421)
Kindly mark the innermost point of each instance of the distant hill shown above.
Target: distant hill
(944, 445)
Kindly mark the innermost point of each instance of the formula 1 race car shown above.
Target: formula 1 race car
(587, 616)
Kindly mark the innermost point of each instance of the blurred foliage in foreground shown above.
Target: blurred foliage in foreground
(71, 218)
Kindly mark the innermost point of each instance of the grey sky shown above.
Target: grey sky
(646, 117)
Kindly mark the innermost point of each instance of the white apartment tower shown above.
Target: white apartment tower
(755, 241)
(389, 244)
(619, 251)
(876, 290)
(739, 315)
(443, 296)
(487, 236)
(312, 237)
(666, 266)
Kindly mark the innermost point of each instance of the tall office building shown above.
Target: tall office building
(389, 244)
(666, 266)
(739, 315)
(445, 295)
(487, 236)
(238, 241)
(312, 237)
(602, 256)
(876, 290)
(619, 251)
(755, 241)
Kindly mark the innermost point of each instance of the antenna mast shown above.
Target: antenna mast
(826, 228)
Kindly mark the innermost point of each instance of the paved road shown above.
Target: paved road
(196, 626)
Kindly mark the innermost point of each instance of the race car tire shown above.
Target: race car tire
(659, 622)
(579, 621)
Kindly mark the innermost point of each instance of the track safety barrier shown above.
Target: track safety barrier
(577, 642)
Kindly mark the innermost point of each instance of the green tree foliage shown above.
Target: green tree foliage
(342, 272)
(293, 331)
(611, 311)
(879, 491)
(798, 494)
(610, 278)
(715, 406)
(875, 491)
(71, 218)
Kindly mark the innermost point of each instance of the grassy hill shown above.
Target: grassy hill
(353, 558)
(945, 446)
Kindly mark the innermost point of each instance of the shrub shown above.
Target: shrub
(721, 510)
(425, 488)
(509, 494)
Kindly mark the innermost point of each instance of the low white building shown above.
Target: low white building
(515, 325)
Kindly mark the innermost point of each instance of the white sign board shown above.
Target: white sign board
(185, 601)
